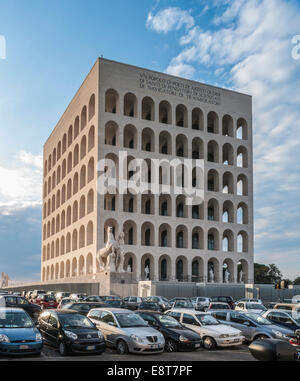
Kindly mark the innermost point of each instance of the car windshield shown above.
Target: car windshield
(127, 320)
(255, 306)
(164, 299)
(183, 304)
(75, 321)
(219, 307)
(168, 321)
(15, 320)
(113, 302)
(207, 320)
(295, 315)
(259, 319)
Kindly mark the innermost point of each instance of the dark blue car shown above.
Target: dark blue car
(18, 333)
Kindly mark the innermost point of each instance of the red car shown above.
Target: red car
(46, 301)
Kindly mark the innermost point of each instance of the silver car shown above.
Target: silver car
(201, 303)
(126, 331)
(252, 325)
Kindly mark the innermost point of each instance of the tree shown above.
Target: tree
(266, 273)
(274, 273)
(261, 273)
(297, 281)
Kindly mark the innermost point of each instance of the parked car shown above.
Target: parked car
(46, 301)
(116, 303)
(35, 294)
(94, 298)
(287, 306)
(106, 297)
(249, 300)
(212, 332)
(287, 319)
(253, 326)
(186, 304)
(251, 307)
(177, 337)
(82, 307)
(179, 298)
(12, 301)
(269, 305)
(150, 306)
(224, 299)
(70, 332)
(218, 306)
(78, 297)
(161, 300)
(60, 295)
(127, 331)
(17, 293)
(63, 302)
(51, 293)
(18, 333)
(200, 303)
(131, 302)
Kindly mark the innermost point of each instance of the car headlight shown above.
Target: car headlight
(279, 334)
(4, 339)
(137, 339)
(224, 336)
(71, 335)
(100, 335)
(183, 339)
(38, 337)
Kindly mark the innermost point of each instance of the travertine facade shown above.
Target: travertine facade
(149, 115)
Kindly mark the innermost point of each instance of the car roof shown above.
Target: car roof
(151, 312)
(113, 309)
(11, 309)
(186, 310)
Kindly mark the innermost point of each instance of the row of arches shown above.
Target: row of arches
(80, 151)
(73, 132)
(181, 116)
(196, 150)
(163, 268)
(180, 236)
(226, 212)
(173, 174)
(79, 181)
(72, 241)
(73, 213)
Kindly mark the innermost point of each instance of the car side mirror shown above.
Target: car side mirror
(246, 323)
(111, 323)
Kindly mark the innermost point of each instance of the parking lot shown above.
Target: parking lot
(239, 353)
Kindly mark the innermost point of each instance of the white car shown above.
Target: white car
(249, 300)
(201, 303)
(212, 332)
(257, 308)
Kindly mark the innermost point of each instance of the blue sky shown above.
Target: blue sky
(240, 44)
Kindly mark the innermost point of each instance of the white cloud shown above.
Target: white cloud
(251, 43)
(180, 69)
(168, 19)
(21, 184)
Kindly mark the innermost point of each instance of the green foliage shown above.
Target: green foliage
(266, 273)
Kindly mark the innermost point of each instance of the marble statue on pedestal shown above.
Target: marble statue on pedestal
(111, 257)
(226, 276)
(147, 273)
(241, 276)
(211, 275)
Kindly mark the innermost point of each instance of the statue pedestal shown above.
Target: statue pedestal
(109, 280)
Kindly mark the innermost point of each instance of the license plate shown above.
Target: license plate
(24, 346)
(90, 347)
(197, 345)
(154, 346)
(236, 340)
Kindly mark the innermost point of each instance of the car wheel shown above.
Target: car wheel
(170, 346)
(209, 343)
(63, 349)
(122, 347)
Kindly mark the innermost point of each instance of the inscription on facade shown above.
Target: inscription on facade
(191, 92)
